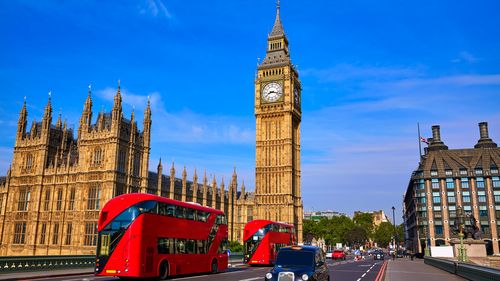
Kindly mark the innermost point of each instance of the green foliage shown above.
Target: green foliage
(365, 220)
(235, 247)
(383, 234)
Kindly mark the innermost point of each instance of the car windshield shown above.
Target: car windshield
(295, 258)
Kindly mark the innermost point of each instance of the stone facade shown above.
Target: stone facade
(57, 184)
(450, 178)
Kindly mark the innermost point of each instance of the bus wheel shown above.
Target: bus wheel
(214, 268)
(163, 270)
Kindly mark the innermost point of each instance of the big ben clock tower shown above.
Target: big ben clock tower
(278, 115)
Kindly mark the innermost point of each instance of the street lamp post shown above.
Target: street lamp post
(462, 252)
(394, 233)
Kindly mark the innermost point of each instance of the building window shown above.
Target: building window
(420, 184)
(481, 196)
(93, 198)
(448, 173)
(496, 181)
(450, 184)
(59, 199)
(46, 202)
(24, 200)
(98, 156)
(55, 235)
(90, 234)
(478, 171)
(494, 170)
(480, 182)
(464, 182)
(43, 232)
(122, 159)
(29, 161)
(496, 194)
(451, 197)
(438, 229)
(463, 172)
(435, 183)
(71, 205)
(137, 165)
(434, 173)
(250, 214)
(452, 211)
(69, 229)
(466, 196)
(436, 198)
(19, 232)
(483, 211)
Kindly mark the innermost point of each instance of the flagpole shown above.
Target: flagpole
(419, 140)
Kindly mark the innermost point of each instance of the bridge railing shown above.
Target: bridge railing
(38, 263)
(44, 263)
(465, 270)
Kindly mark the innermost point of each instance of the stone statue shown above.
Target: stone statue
(471, 231)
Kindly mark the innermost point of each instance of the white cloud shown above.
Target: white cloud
(157, 8)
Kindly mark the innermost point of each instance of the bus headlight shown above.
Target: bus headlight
(269, 275)
(305, 277)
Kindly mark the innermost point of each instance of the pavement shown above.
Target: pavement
(416, 270)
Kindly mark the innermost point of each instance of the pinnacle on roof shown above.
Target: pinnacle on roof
(277, 28)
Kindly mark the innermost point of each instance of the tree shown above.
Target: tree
(356, 235)
(383, 234)
(235, 247)
(365, 220)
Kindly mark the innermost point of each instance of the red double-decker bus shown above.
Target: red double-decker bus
(263, 239)
(143, 235)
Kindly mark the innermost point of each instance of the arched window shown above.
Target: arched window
(29, 161)
(98, 156)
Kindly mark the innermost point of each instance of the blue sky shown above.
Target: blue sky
(370, 71)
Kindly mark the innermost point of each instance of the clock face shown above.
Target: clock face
(296, 96)
(272, 92)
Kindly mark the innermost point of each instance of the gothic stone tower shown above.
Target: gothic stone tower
(278, 116)
(57, 184)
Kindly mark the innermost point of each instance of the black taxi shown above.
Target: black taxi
(299, 263)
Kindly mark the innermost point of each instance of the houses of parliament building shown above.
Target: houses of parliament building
(52, 194)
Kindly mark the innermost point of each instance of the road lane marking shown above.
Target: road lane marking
(250, 279)
(364, 274)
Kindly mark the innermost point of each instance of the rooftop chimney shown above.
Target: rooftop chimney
(435, 143)
(484, 141)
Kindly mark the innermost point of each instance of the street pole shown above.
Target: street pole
(394, 225)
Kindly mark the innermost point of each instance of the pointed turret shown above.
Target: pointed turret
(117, 105)
(86, 119)
(47, 115)
(277, 30)
(277, 44)
(33, 131)
(59, 121)
(242, 195)
(23, 120)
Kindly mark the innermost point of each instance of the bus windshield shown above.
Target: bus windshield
(253, 242)
(112, 233)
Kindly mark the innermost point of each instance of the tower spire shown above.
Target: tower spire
(277, 28)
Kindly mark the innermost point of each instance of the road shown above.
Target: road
(339, 270)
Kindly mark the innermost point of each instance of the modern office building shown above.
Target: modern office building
(447, 179)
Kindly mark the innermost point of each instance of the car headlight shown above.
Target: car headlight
(305, 277)
(269, 275)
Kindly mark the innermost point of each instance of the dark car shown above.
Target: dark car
(378, 255)
(297, 263)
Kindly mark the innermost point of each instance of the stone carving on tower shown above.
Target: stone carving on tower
(278, 116)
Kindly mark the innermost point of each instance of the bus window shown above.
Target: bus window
(221, 219)
(180, 212)
(190, 214)
(165, 246)
(201, 246)
(201, 216)
(190, 246)
(180, 246)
